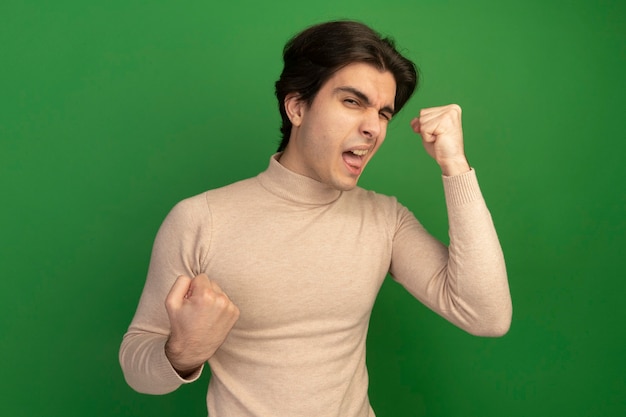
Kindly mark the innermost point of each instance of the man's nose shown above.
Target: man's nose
(371, 124)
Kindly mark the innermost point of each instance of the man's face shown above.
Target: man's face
(334, 138)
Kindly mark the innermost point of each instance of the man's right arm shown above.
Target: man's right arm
(155, 354)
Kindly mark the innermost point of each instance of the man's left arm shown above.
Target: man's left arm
(466, 282)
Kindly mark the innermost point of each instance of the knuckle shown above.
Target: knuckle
(456, 108)
(221, 301)
(215, 286)
(170, 304)
(234, 310)
(208, 296)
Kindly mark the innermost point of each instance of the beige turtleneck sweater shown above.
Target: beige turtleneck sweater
(304, 263)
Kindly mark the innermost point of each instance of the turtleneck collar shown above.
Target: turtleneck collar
(297, 188)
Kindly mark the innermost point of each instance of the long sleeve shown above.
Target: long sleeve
(179, 249)
(466, 283)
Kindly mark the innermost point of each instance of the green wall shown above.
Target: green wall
(110, 112)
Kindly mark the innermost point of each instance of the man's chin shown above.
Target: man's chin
(346, 185)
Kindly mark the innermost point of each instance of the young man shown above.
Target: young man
(272, 279)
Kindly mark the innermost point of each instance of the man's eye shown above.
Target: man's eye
(386, 116)
(351, 101)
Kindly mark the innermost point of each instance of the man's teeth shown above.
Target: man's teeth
(360, 152)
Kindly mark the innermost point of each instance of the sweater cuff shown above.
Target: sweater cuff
(462, 189)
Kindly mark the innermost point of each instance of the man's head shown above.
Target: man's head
(317, 53)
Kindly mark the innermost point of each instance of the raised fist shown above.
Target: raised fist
(442, 136)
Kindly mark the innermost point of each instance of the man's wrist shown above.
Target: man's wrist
(174, 356)
(454, 167)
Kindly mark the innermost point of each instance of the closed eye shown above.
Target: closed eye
(361, 99)
(385, 116)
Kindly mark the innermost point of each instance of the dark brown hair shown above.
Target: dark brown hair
(315, 54)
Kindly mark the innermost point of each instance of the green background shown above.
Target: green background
(111, 112)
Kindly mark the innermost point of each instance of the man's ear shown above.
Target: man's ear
(294, 107)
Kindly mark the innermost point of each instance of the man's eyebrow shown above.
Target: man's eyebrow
(363, 97)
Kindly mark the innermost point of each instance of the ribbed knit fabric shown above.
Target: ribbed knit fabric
(304, 263)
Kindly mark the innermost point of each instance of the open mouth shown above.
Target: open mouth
(354, 160)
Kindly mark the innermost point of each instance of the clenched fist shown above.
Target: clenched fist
(442, 137)
(201, 316)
